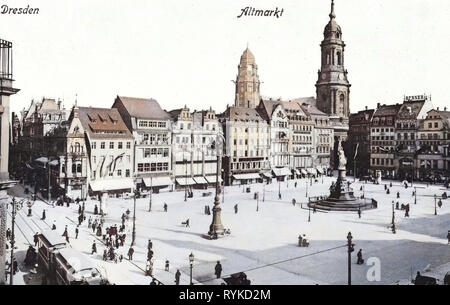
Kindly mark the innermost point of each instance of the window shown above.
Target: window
(79, 168)
(128, 145)
(111, 145)
(102, 145)
(120, 144)
(127, 173)
(119, 173)
(94, 145)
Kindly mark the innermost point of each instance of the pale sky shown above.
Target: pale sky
(187, 52)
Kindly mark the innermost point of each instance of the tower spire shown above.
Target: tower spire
(332, 14)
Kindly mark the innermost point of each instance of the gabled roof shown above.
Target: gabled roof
(103, 123)
(142, 108)
(387, 110)
(410, 109)
(243, 114)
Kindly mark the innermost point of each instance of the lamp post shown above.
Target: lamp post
(185, 179)
(279, 188)
(191, 264)
(15, 207)
(264, 191)
(151, 193)
(309, 210)
(393, 213)
(133, 236)
(223, 186)
(257, 201)
(415, 195)
(306, 187)
(350, 249)
(435, 209)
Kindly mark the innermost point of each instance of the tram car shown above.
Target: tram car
(75, 268)
(49, 243)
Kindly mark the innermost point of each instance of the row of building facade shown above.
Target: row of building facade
(403, 141)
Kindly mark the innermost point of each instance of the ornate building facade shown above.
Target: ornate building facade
(247, 82)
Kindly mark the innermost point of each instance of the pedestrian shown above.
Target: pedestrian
(67, 238)
(153, 282)
(300, 240)
(178, 275)
(407, 210)
(149, 254)
(165, 207)
(43, 215)
(76, 233)
(279, 196)
(89, 222)
(397, 205)
(360, 260)
(235, 209)
(218, 270)
(150, 245)
(94, 248)
(95, 210)
(166, 267)
(393, 228)
(448, 237)
(105, 255)
(130, 253)
(295, 184)
(390, 184)
(187, 223)
(36, 239)
(65, 233)
(54, 226)
(359, 212)
(79, 209)
(30, 212)
(398, 194)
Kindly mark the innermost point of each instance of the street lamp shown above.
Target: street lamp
(350, 249)
(191, 263)
(264, 191)
(279, 188)
(393, 213)
(309, 210)
(151, 193)
(133, 240)
(257, 201)
(15, 207)
(435, 209)
(216, 226)
(306, 187)
(415, 195)
(185, 175)
(223, 186)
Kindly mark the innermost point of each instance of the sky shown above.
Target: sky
(187, 52)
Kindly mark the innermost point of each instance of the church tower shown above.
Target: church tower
(333, 87)
(247, 82)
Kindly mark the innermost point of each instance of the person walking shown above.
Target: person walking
(218, 270)
(177, 277)
(360, 260)
(94, 248)
(36, 239)
(235, 209)
(65, 233)
(43, 215)
(166, 266)
(76, 232)
(130, 253)
(165, 207)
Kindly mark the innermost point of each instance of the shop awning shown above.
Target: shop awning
(186, 181)
(268, 174)
(246, 176)
(303, 172)
(297, 172)
(42, 160)
(200, 180)
(311, 171)
(281, 172)
(157, 181)
(111, 184)
(212, 179)
(319, 170)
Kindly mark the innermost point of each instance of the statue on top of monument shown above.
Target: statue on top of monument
(342, 158)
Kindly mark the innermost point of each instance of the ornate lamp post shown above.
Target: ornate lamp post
(415, 195)
(191, 264)
(151, 193)
(185, 173)
(133, 236)
(257, 201)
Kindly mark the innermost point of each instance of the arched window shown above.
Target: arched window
(339, 58)
(342, 102)
(77, 147)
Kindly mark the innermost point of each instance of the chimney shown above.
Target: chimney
(367, 108)
(378, 105)
(437, 108)
(445, 108)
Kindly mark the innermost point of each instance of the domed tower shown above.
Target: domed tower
(333, 87)
(247, 81)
